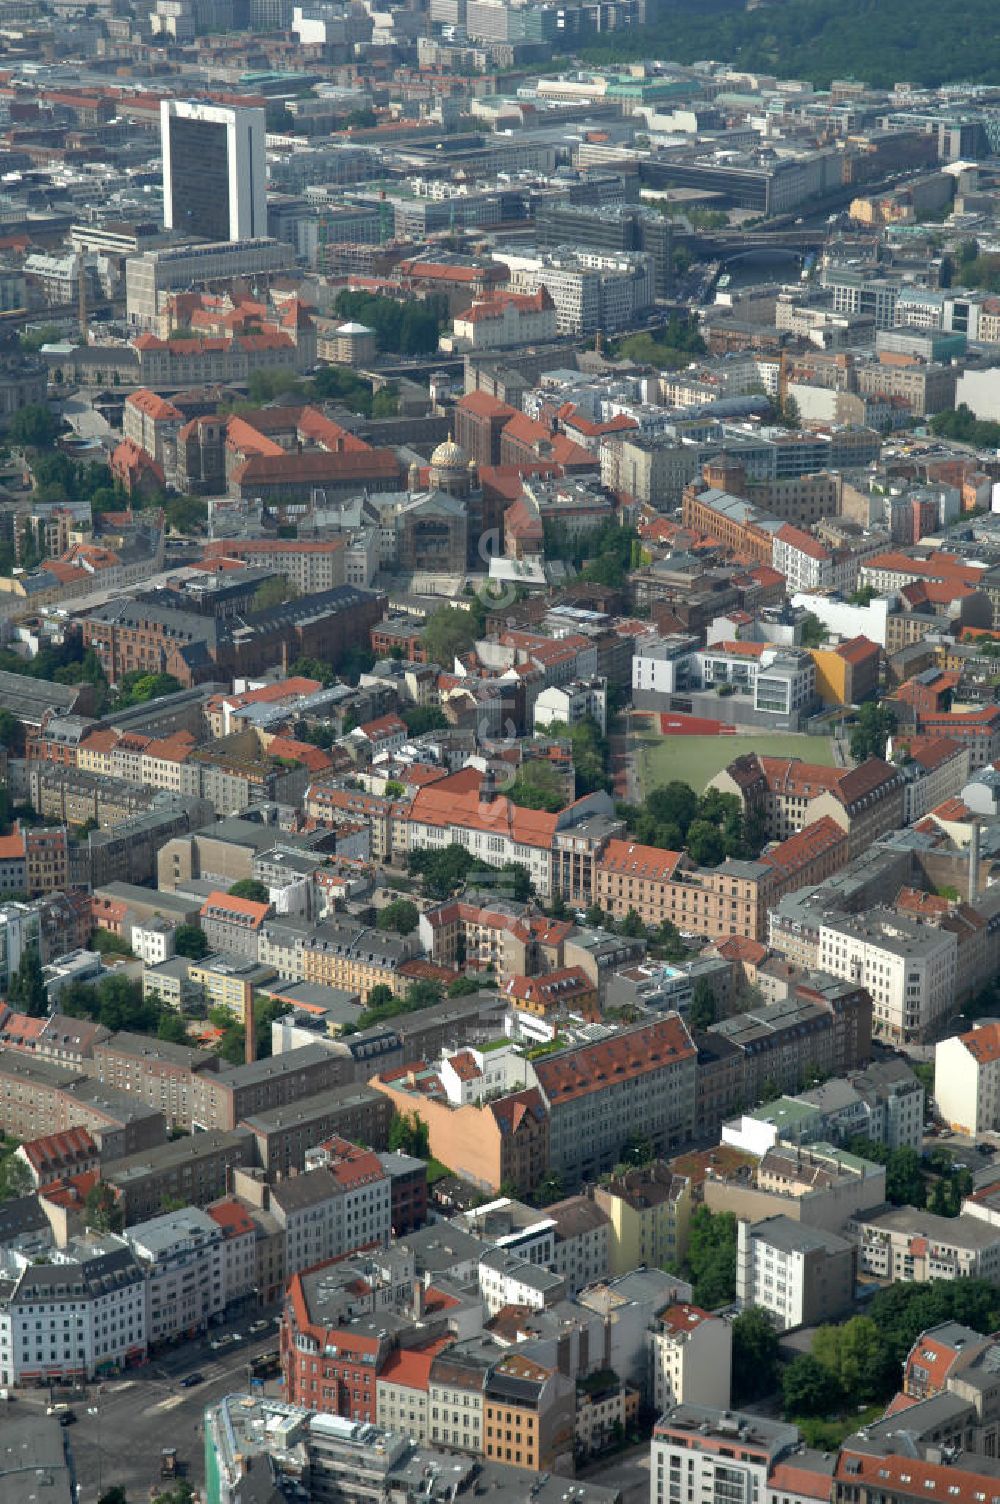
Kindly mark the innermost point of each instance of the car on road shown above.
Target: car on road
(258, 1326)
(67, 1418)
(985, 1148)
(190, 1380)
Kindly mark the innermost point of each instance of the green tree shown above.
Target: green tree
(814, 634)
(595, 917)
(265, 385)
(703, 1010)
(904, 1178)
(338, 384)
(15, 1177)
(421, 994)
(186, 514)
(632, 926)
(755, 1356)
(11, 732)
(172, 1028)
(668, 941)
(710, 1263)
(590, 751)
(463, 987)
(103, 1213)
(808, 1388)
(903, 1310)
(401, 916)
(113, 1495)
(250, 888)
(705, 844)
(409, 1134)
(550, 1188)
(385, 402)
(638, 1150)
(274, 592)
(450, 632)
(311, 668)
(137, 688)
(852, 1353)
(420, 719)
(34, 427)
(538, 785)
(26, 992)
(874, 725)
(190, 942)
(177, 1493)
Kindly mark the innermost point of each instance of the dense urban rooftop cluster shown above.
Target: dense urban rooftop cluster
(500, 757)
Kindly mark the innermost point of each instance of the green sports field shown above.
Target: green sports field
(696, 759)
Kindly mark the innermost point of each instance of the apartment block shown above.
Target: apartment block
(181, 1255)
(691, 1356)
(967, 1079)
(157, 1072)
(640, 1081)
(649, 1210)
(825, 1023)
(193, 1170)
(285, 1135)
(908, 967)
(224, 1098)
(789, 794)
(528, 1415)
(75, 1319)
(802, 1276)
(39, 1097)
(717, 1454)
(908, 1244)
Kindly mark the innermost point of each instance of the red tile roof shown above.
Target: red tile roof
(232, 1217)
(631, 859)
(410, 1367)
(811, 842)
(482, 405)
(153, 406)
(803, 1482)
(874, 1472)
(51, 1156)
(983, 1044)
(318, 465)
(598, 1067)
(455, 801)
(802, 542)
(246, 908)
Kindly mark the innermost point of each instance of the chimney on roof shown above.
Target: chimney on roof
(250, 1033)
(974, 862)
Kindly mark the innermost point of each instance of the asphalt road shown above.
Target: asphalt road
(628, 1471)
(123, 1425)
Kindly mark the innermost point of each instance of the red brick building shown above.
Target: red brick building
(479, 422)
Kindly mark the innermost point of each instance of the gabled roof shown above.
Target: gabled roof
(631, 859)
(223, 905)
(456, 802)
(626, 1056)
(153, 406)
